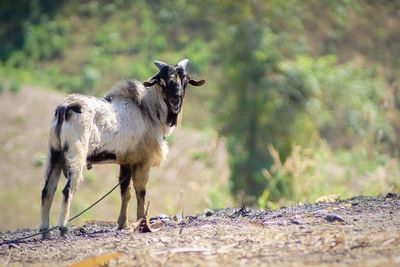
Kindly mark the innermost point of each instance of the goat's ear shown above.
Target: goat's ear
(195, 82)
(150, 82)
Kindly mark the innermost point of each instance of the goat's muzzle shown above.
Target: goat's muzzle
(175, 104)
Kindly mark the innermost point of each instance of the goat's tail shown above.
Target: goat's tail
(59, 117)
(63, 113)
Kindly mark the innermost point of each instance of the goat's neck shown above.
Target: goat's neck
(154, 102)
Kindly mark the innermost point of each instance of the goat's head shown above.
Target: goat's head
(173, 81)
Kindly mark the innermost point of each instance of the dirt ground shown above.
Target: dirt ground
(360, 231)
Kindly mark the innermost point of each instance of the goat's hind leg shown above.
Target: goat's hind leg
(74, 169)
(54, 165)
(125, 174)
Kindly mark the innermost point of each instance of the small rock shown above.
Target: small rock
(391, 195)
(160, 217)
(208, 213)
(191, 218)
(328, 198)
(333, 218)
(294, 221)
(177, 218)
(243, 211)
(11, 245)
(63, 230)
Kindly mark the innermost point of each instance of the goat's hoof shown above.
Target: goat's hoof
(124, 226)
(122, 223)
(45, 235)
(63, 230)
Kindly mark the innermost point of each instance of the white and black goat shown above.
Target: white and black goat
(127, 127)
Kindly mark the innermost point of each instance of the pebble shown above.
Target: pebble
(333, 218)
(208, 213)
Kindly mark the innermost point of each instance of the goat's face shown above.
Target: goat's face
(173, 81)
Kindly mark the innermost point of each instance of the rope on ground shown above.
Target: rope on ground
(73, 218)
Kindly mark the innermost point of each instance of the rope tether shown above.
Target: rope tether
(73, 218)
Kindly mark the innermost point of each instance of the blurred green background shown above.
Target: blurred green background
(303, 96)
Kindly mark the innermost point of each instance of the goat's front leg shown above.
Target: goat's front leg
(52, 174)
(140, 177)
(125, 174)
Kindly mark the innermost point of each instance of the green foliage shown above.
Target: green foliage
(43, 41)
(218, 196)
(2, 87)
(15, 87)
(15, 16)
(90, 76)
(343, 102)
(320, 171)
(46, 40)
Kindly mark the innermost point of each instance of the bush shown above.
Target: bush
(310, 173)
(46, 40)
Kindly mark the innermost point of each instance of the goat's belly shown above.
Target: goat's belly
(105, 157)
(101, 157)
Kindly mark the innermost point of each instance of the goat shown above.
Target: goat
(127, 127)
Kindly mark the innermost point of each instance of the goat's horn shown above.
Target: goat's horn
(160, 64)
(183, 63)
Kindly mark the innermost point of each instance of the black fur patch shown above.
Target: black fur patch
(55, 157)
(108, 98)
(72, 107)
(44, 191)
(142, 194)
(172, 119)
(65, 147)
(124, 173)
(65, 171)
(67, 190)
(101, 156)
(60, 111)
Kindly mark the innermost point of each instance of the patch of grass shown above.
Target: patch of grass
(39, 160)
(2, 87)
(89, 178)
(217, 198)
(15, 87)
(77, 205)
(199, 155)
(310, 173)
(18, 120)
(169, 206)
